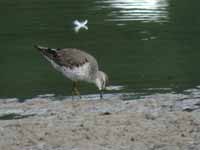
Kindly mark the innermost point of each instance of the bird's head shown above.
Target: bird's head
(47, 52)
(101, 81)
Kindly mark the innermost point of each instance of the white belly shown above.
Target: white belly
(76, 73)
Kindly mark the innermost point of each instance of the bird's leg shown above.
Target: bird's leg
(101, 94)
(73, 89)
(76, 89)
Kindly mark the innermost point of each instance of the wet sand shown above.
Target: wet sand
(146, 124)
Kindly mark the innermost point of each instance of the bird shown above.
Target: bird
(77, 65)
(80, 24)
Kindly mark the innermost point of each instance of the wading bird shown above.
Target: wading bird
(77, 65)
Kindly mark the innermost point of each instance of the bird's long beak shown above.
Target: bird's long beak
(40, 48)
(101, 94)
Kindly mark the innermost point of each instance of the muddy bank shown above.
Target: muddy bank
(114, 124)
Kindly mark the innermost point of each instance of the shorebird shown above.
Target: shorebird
(77, 65)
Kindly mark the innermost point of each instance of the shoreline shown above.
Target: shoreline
(43, 124)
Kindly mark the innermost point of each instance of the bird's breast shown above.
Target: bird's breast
(75, 73)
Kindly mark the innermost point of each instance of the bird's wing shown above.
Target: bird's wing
(71, 58)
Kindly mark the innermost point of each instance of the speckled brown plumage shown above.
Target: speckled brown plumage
(70, 57)
(76, 65)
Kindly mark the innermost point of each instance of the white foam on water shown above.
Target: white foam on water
(9, 100)
(46, 95)
(115, 87)
(160, 89)
(149, 93)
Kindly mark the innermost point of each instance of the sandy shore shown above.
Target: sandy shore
(43, 124)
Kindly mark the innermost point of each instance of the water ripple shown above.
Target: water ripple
(136, 10)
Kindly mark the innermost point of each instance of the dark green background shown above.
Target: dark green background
(137, 53)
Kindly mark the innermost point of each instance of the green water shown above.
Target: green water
(139, 43)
